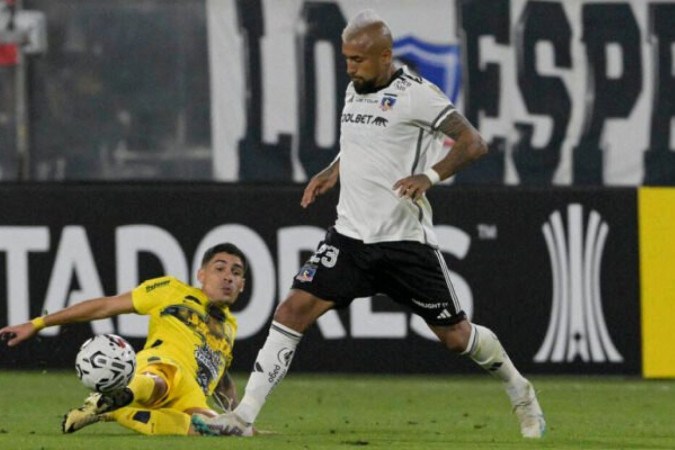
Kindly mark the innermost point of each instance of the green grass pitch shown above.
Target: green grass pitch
(378, 412)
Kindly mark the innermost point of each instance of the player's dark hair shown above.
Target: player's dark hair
(224, 247)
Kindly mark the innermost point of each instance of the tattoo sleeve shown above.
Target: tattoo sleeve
(454, 124)
(468, 146)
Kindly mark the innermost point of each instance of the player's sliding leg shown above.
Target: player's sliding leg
(93, 408)
(153, 422)
(485, 349)
(270, 367)
(144, 389)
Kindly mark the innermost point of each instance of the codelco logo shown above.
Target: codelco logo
(577, 327)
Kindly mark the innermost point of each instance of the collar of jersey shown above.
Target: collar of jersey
(396, 74)
(217, 312)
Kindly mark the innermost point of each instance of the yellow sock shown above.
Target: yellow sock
(152, 421)
(142, 385)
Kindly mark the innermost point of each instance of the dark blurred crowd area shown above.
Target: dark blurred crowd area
(121, 93)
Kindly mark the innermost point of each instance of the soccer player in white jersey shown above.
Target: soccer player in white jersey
(383, 240)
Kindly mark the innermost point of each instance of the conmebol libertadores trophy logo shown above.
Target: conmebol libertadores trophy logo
(577, 328)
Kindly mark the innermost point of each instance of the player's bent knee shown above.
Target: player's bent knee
(160, 388)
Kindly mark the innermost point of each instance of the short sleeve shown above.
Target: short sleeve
(429, 106)
(150, 294)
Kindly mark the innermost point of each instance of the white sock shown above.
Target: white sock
(486, 350)
(269, 369)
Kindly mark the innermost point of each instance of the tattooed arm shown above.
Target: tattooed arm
(469, 146)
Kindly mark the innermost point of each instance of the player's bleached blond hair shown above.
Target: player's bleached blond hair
(364, 20)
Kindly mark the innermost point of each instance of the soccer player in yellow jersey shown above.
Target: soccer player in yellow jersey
(186, 355)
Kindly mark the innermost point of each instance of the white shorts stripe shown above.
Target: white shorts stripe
(446, 275)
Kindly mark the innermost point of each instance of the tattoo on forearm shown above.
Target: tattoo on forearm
(454, 124)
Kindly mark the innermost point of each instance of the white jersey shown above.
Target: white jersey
(385, 136)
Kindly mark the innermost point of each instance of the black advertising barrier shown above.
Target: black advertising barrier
(554, 272)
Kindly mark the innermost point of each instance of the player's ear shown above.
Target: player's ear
(386, 56)
(200, 275)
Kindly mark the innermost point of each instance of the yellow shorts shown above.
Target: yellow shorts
(183, 391)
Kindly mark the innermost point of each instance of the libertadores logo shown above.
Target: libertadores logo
(577, 327)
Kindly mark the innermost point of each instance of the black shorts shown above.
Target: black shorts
(410, 273)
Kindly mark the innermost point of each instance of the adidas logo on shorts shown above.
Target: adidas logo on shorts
(444, 315)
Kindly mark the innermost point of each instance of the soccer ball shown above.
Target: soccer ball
(105, 363)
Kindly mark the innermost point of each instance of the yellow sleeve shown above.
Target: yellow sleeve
(151, 293)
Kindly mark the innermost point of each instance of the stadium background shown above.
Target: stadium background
(135, 133)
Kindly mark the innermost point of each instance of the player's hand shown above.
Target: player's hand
(318, 185)
(16, 334)
(413, 186)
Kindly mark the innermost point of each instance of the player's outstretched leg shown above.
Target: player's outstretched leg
(93, 409)
(486, 350)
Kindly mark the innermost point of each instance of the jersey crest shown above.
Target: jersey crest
(388, 101)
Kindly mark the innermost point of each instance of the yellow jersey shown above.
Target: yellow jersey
(187, 329)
